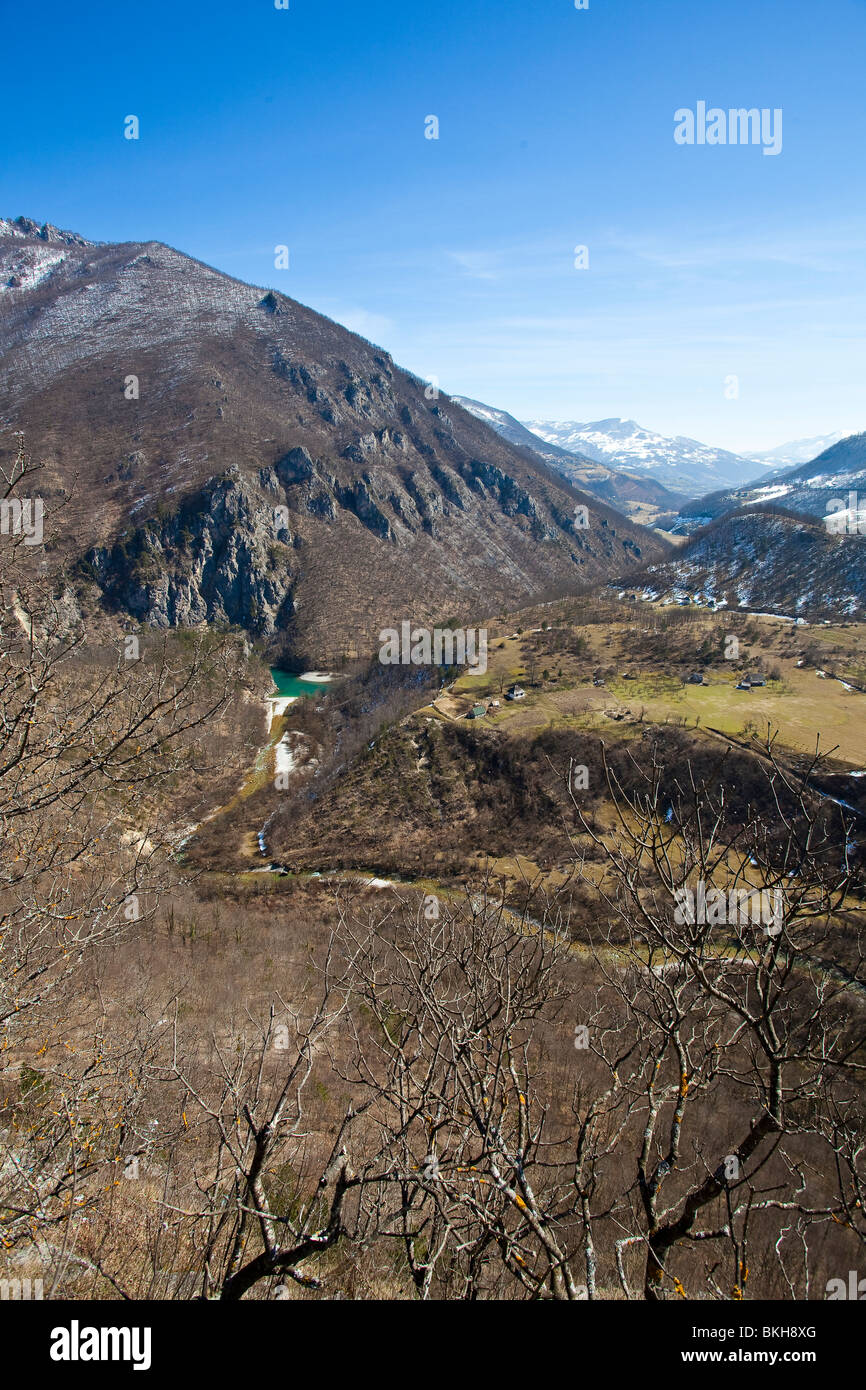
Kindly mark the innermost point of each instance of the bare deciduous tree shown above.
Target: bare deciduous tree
(83, 752)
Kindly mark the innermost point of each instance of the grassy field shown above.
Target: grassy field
(801, 705)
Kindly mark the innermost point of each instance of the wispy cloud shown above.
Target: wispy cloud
(821, 252)
(479, 265)
(519, 260)
(377, 327)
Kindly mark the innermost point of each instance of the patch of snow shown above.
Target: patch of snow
(286, 757)
(28, 267)
(768, 494)
(278, 704)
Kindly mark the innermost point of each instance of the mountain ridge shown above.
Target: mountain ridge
(241, 458)
(807, 488)
(796, 451)
(768, 560)
(621, 489)
(682, 464)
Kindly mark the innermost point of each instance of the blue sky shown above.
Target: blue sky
(305, 127)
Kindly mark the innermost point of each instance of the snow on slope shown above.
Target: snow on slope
(629, 492)
(779, 564)
(819, 488)
(799, 450)
(681, 463)
(26, 267)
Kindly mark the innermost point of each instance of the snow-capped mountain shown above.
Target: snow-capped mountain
(818, 488)
(683, 464)
(510, 428)
(640, 497)
(799, 450)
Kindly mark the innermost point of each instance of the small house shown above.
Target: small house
(477, 712)
(516, 692)
(695, 678)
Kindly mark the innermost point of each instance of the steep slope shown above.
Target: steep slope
(770, 561)
(815, 488)
(631, 494)
(235, 457)
(683, 464)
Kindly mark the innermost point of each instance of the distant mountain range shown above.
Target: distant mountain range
(234, 457)
(641, 497)
(809, 488)
(798, 450)
(684, 465)
(631, 467)
(744, 553)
